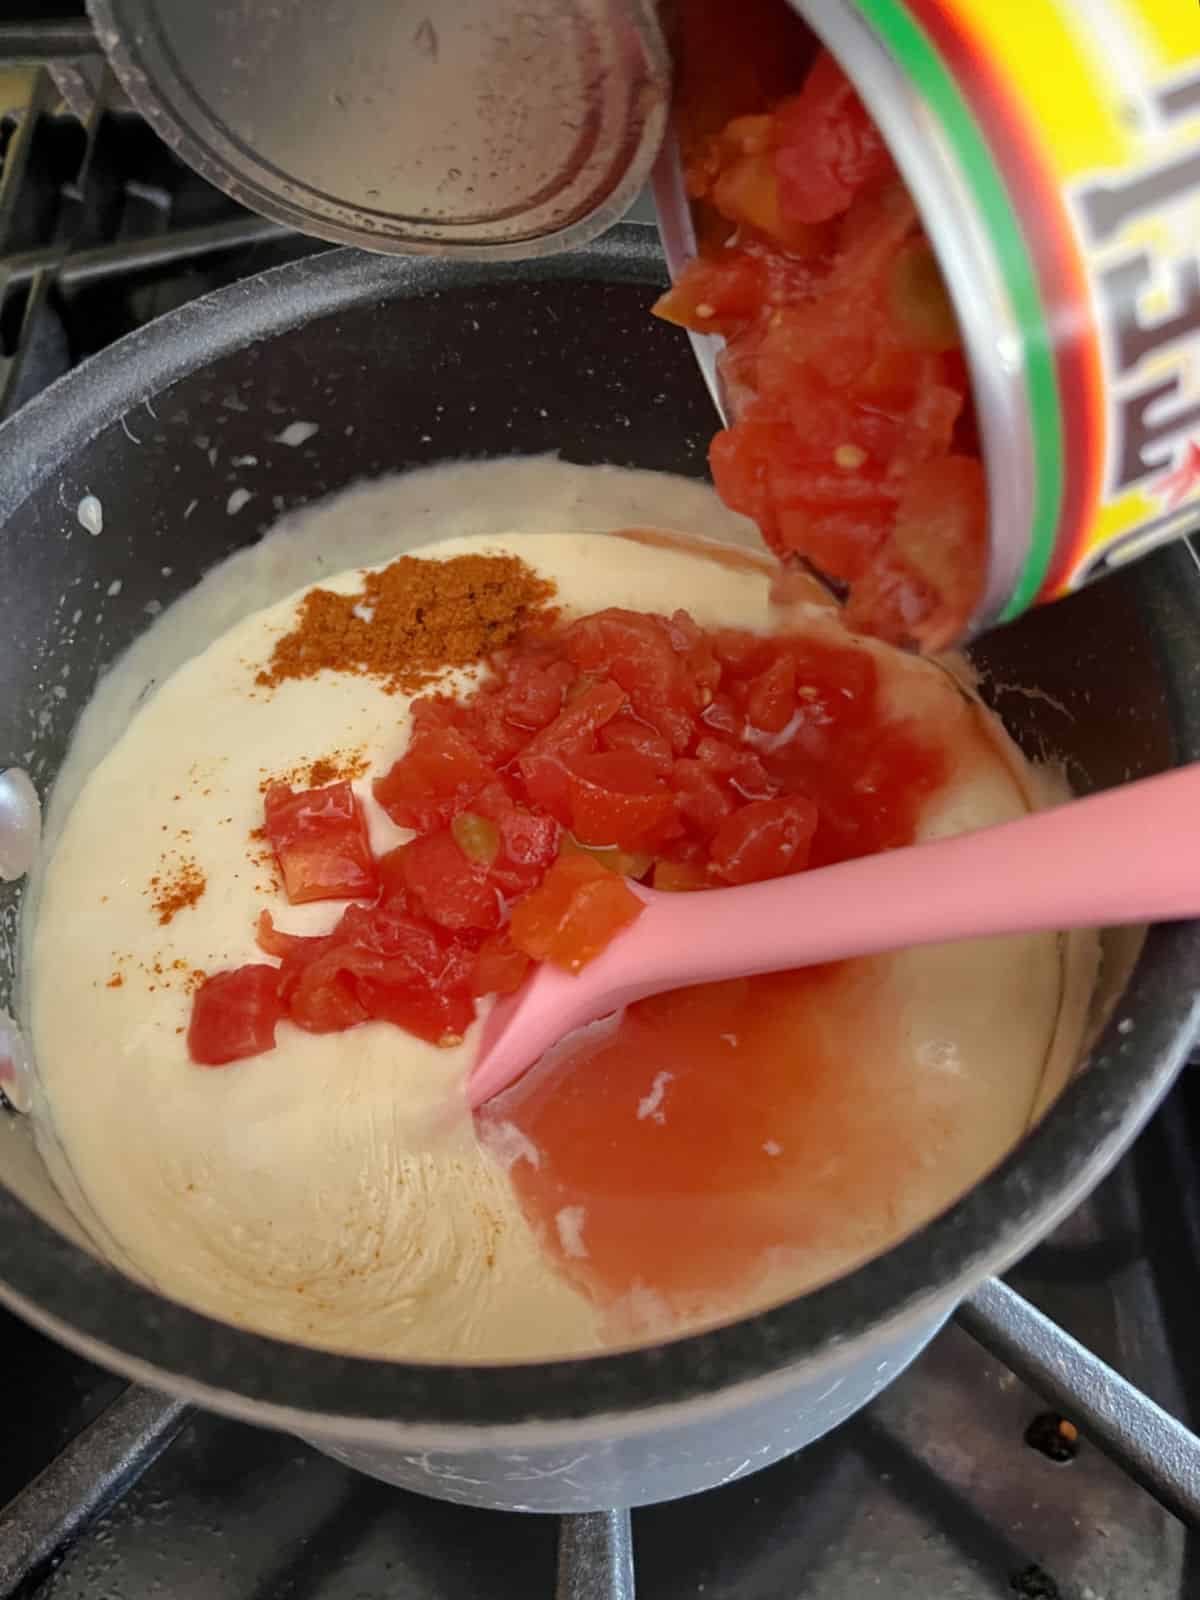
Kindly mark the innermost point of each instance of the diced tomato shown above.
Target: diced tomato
(700, 663)
(836, 692)
(321, 995)
(485, 725)
(679, 756)
(797, 482)
(716, 294)
(274, 942)
(730, 60)
(574, 913)
(842, 542)
(543, 763)
(742, 769)
(412, 948)
(941, 533)
(440, 773)
(444, 885)
(393, 891)
(320, 841)
(723, 716)
(930, 575)
(929, 427)
(747, 192)
(528, 841)
(740, 458)
(810, 355)
(636, 651)
(234, 1015)
(771, 697)
(534, 691)
(827, 147)
(891, 602)
(703, 800)
(842, 368)
(765, 839)
(743, 654)
(618, 798)
(871, 234)
(628, 733)
(380, 963)
(500, 968)
(439, 1016)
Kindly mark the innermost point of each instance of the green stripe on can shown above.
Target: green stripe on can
(907, 41)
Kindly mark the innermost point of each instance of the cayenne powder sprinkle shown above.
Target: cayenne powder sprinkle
(173, 891)
(332, 768)
(411, 621)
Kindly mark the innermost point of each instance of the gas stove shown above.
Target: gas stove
(960, 1480)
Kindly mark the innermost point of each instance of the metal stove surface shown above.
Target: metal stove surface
(933, 1491)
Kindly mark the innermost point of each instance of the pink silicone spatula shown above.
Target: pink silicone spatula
(1129, 855)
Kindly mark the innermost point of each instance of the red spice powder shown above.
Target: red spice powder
(173, 891)
(412, 621)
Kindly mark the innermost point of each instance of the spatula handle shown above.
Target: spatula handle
(1131, 854)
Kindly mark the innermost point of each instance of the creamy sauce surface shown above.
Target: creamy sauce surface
(334, 1191)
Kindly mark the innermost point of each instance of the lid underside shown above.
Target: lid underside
(481, 127)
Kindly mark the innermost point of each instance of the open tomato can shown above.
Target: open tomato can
(1052, 148)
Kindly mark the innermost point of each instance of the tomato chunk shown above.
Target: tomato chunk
(639, 652)
(445, 885)
(574, 913)
(842, 367)
(653, 750)
(771, 697)
(765, 839)
(941, 528)
(721, 293)
(703, 800)
(500, 968)
(628, 733)
(320, 841)
(439, 774)
(234, 1015)
(274, 942)
(439, 1016)
(827, 147)
(618, 798)
(528, 840)
(544, 761)
(321, 995)
(380, 963)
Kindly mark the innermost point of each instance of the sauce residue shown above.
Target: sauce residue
(718, 1132)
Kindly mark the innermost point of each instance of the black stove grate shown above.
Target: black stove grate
(102, 229)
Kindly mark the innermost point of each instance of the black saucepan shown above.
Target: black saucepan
(402, 364)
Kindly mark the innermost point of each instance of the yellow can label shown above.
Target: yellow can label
(1076, 124)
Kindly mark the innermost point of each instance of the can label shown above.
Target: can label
(1076, 125)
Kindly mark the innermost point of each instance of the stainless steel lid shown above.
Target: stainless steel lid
(444, 127)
